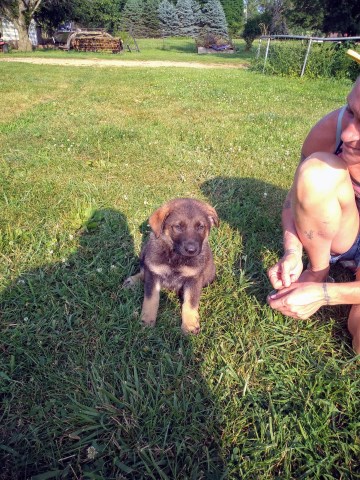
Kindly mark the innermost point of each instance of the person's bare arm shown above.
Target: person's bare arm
(303, 299)
(288, 269)
(322, 137)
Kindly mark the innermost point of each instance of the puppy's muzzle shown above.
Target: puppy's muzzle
(191, 248)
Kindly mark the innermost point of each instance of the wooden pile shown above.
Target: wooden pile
(97, 44)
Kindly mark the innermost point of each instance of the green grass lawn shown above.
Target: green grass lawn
(86, 155)
(168, 49)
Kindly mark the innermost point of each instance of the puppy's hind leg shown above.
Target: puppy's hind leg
(151, 299)
(133, 280)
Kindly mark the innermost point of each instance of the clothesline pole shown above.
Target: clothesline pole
(266, 53)
(306, 57)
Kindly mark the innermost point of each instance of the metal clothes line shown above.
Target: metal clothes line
(299, 37)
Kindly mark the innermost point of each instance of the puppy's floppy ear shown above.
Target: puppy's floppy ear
(157, 219)
(212, 215)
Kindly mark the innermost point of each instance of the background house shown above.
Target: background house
(11, 35)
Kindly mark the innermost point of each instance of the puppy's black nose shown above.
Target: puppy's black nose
(191, 247)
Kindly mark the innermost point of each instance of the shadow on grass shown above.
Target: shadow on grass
(293, 365)
(175, 47)
(86, 391)
(190, 47)
(253, 207)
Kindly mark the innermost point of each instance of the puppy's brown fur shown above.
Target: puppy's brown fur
(177, 257)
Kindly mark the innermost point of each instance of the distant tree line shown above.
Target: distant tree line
(186, 17)
(149, 18)
(302, 17)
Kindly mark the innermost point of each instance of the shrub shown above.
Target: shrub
(324, 60)
(252, 28)
(209, 40)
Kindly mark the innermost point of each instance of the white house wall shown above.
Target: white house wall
(33, 34)
(10, 33)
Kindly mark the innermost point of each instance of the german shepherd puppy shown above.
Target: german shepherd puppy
(177, 257)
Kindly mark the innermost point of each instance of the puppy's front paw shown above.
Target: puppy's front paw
(147, 319)
(190, 322)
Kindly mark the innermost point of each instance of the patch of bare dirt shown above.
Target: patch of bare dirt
(71, 62)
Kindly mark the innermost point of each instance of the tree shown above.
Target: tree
(252, 28)
(306, 16)
(342, 17)
(52, 14)
(151, 18)
(196, 10)
(278, 11)
(132, 17)
(185, 13)
(169, 20)
(250, 9)
(98, 13)
(20, 12)
(213, 18)
(278, 24)
(234, 13)
(92, 14)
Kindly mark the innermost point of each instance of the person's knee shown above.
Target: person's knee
(354, 327)
(354, 319)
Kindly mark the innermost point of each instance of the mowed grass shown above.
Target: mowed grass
(175, 49)
(86, 155)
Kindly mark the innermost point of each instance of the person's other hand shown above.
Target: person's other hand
(299, 301)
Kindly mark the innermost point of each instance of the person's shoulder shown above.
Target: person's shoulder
(322, 136)
(328, 122)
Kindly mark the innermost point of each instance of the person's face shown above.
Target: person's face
(351, 131)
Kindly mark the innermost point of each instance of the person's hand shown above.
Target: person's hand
(300, 300)
(287, 270)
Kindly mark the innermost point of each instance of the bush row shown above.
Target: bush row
(325, 59)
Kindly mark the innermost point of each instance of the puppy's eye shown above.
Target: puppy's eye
(177, 228)
(200, 228)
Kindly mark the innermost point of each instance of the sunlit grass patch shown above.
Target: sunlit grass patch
(87, 392)
(176, 49)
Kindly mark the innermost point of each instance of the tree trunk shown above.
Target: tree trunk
(23, 28)
(24, 43)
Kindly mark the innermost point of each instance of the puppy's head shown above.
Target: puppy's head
(184, 223)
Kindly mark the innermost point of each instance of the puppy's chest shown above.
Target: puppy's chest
(172, 275)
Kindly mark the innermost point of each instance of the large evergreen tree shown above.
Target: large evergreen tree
(133, 17)
(151, 18)
(169, 21)
(213, 18)
(185, 15)
(196, 10)
(234, 13)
